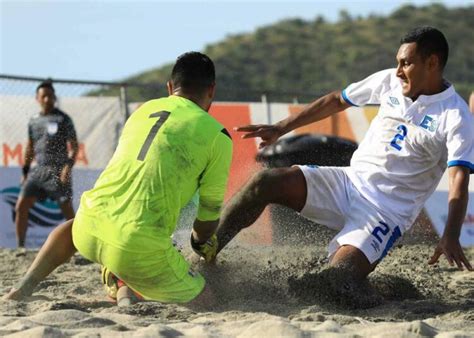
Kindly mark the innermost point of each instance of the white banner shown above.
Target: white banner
(98, 121)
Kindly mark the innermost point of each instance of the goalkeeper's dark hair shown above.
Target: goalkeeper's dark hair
(429, 41)
(45, 84)
(193, 72)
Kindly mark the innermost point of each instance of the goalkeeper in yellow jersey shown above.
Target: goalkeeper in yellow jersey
(169, 148)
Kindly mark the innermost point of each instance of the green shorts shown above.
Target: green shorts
(163, 275)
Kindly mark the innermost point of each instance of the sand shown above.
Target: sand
(283, 290)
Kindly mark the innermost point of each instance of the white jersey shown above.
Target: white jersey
(408, 146)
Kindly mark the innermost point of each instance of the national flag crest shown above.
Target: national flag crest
(429, 123)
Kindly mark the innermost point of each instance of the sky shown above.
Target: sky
(111, 40)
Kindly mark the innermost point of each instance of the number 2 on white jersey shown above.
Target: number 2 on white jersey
(398, 138)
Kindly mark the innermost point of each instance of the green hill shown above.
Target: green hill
(303, 59)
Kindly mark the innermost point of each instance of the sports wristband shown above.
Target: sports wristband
(195, 244)
(25, 169)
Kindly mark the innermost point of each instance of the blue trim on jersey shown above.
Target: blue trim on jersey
(344, 96)
(461, 164)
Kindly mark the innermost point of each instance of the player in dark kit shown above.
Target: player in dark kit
(49, 133)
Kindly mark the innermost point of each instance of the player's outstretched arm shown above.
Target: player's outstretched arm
(317, 110)
(458, 198)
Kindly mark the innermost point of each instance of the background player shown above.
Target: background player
(49, 133)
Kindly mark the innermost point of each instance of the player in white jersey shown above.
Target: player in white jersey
(422, 128)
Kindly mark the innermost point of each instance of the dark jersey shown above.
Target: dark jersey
(49, 134)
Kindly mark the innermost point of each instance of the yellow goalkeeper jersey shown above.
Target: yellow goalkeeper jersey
(169, 148)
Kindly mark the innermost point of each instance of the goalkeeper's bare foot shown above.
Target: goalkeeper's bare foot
(14, 294)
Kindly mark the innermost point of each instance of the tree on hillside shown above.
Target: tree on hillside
(303, 59)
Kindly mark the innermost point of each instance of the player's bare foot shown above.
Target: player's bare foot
(14, 294)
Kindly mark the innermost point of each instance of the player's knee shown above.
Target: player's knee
(275, 185)
(264, 184)
(352, 261)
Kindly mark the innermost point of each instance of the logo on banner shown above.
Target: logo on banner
(44, 214)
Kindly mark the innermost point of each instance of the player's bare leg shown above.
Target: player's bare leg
(344, 282)
(353, 261)
(22, 208)
(285, 186)
(57, 250)
(67, 209)
(346, 276)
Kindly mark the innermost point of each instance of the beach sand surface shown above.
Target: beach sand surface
(283, 290)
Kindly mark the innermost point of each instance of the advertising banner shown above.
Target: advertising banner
(98, 121)
(44, 215)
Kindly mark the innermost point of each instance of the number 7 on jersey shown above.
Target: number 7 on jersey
(162, 117)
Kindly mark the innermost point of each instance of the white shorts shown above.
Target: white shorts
(333, 201)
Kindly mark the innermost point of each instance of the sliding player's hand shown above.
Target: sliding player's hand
(452, 250)
(268, 133)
